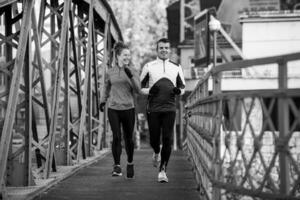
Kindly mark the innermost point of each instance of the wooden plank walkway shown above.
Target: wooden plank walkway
(96, 182)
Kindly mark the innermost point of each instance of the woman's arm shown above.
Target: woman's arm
(106, 89)
(135, 81)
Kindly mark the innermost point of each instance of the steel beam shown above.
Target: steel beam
(57, 88)
(14, 88)
(85, 88)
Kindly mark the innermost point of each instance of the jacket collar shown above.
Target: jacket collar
(160, 60)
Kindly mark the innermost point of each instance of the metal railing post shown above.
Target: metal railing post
(283, 127)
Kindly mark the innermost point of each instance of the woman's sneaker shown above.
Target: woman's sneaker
(130, 170)
(117, 171)
(162, 177)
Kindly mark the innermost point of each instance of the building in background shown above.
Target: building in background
(255, 28)
(180, 16)
(277, 21)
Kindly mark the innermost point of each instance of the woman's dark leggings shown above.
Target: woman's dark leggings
(161, 122)
(126, 118)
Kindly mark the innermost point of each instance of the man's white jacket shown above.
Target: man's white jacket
(164, 76)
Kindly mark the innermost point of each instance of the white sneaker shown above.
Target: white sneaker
(156, 159)
(162, 177)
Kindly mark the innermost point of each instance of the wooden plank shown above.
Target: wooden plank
(14, 87)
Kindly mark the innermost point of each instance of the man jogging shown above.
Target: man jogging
(162, 80)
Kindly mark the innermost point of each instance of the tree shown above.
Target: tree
(142, 23)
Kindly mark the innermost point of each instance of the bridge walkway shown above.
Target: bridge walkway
(96, 182)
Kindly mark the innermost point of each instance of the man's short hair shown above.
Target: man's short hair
(163, 40)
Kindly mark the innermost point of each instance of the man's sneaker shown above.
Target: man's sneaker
(162, 177)
(156, 159)
(130, 170)
(117, 171)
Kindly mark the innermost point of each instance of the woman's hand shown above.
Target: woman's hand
(102, 105)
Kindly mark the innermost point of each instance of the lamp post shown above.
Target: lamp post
(214, 26)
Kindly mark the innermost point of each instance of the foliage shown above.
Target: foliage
(142, 23)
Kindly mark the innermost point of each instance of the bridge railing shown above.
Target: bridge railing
(54, 54)
(245, 144)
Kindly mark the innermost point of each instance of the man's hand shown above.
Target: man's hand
(176, 91)
(128, 72)
(102, 105)
(154, 90)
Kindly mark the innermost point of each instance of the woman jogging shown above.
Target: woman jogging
(121, 82)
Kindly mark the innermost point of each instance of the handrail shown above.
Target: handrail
(245, 64)
(251, 62)
(249, 134)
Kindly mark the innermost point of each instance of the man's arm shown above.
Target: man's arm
(145, 80)
(180, 82)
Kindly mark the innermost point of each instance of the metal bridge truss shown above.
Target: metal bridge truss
(245, 144)
(53, 57)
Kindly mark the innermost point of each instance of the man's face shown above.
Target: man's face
(163, 50)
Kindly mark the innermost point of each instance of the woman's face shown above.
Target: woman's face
(124, 58)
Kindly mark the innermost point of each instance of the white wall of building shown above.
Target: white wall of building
(270, 36)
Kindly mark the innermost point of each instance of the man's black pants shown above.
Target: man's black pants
(161, 123)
